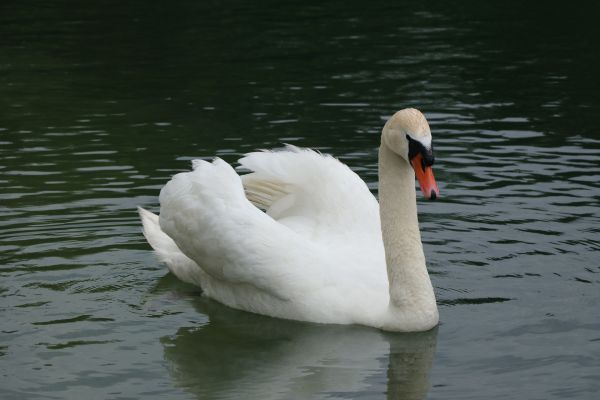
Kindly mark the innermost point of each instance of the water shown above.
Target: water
(101, 104)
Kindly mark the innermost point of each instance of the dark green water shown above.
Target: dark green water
(100, 104)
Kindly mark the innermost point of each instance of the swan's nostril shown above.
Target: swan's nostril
(432, 195)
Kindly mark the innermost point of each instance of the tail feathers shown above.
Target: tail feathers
(167, 250)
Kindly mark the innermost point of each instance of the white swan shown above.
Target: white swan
(324, 251)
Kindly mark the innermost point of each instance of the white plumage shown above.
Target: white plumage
(315, 253)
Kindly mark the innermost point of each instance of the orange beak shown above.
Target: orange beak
(424, 175)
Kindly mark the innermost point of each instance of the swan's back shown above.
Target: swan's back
(318, 242)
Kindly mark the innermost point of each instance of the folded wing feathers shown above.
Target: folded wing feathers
(295, 182)
(262, 192)
(208, 215)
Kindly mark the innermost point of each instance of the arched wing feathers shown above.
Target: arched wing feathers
(312, 193)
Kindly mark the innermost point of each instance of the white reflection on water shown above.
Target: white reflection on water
(239, 355)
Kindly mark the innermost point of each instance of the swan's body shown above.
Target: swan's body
(318, 253)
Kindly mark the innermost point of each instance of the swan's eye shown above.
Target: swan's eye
(415, 147)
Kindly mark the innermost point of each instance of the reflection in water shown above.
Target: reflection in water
(240, 354)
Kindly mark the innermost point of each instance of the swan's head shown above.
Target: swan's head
(407, 134)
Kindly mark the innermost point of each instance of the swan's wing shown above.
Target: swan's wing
(314, 194)
(208, 216)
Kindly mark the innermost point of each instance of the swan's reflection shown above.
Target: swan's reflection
(241, 355)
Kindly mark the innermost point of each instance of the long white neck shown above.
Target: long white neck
(412, 300)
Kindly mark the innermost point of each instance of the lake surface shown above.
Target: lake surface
(100, 105)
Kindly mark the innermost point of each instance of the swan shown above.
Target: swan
(301, 237)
